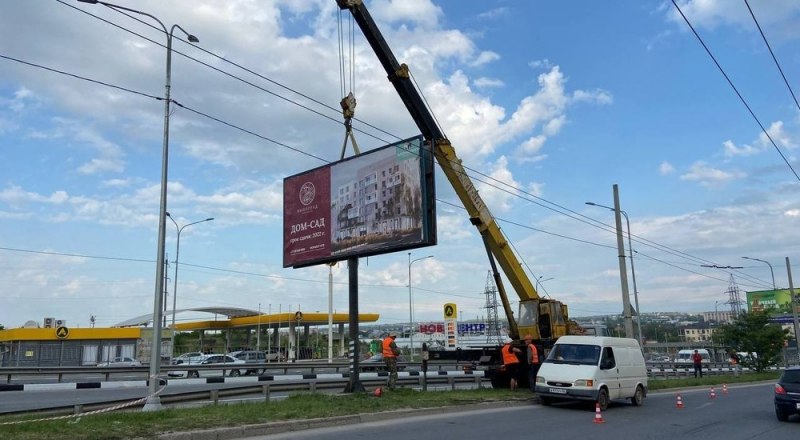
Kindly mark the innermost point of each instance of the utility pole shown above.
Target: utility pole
(794, 305)
(623, 270)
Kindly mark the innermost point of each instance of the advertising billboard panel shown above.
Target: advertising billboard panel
(377, 202)
(773, 301)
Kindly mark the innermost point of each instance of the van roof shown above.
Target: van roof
(599, 340)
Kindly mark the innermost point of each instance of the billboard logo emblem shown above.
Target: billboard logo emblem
(307, 193)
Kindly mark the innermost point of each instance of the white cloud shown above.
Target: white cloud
(541, 64)
(665, 168)
(708, 176)
(421, 12)
(485, 57)
(494, 13)
(485, 83)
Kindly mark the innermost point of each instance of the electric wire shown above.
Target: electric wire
(775, 59)
(316, 112)
(610, 228)
(741, 98)
(198, 112)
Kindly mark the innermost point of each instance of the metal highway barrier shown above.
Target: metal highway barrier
(264, 384)
(9, 375)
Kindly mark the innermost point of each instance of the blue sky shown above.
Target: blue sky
(560, 100)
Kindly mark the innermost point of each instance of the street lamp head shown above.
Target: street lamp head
(591, 203)
(168, 214)
(193, 39)
(209, 219)
(94, 2)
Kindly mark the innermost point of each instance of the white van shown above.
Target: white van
(595, 368)
(685, 356)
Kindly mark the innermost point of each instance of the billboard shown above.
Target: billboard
(377, 202)
(774, 301)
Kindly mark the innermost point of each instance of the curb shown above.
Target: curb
(236, 432)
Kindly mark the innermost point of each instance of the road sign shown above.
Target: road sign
(298, 316)
(62, 332)
(450, 311)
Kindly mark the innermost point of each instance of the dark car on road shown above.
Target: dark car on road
(787, 394)
(375, 363)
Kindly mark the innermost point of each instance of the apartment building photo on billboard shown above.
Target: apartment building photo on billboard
(377, 202)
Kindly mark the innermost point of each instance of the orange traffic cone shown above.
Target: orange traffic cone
(724, 389)
(378, 392)
(679, 402)
(712, 394)
(598, 418)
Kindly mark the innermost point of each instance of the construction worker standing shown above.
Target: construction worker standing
(532, 355)
(390, 353)
(511, 363)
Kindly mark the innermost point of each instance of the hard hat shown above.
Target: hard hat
(392, 334)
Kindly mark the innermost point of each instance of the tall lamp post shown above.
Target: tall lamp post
(175, 280)
(771, 272)
(540, 281)
(633, 271)
(411, 305)
(153, 401)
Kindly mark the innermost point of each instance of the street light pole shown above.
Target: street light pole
(770, 270)
(540, 281)
(153, 401)
(411, 306)
(175, 280)
(633, 270)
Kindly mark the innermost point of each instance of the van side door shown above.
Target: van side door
(609, 372)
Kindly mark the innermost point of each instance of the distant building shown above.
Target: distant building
(721, 317)
(697, 332)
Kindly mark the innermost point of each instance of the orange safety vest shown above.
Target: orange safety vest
(534, 355)
(387, 347)
(508, 355)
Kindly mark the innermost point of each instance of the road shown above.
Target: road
(746, 412)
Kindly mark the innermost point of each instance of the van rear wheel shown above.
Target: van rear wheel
(638, 396)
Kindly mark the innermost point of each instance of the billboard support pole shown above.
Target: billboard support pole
(793, 303)
(354, 385)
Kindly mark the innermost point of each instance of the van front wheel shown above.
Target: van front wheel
(602, 399)
(638, 396)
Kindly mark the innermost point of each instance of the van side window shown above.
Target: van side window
(607, 362)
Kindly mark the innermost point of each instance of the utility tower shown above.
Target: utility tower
(733, 297)
(493, 324)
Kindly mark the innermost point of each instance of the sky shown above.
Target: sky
(548, 103)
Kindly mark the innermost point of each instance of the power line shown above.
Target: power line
(516, 192)
(777, 64)
(741, 98)
(534, 199)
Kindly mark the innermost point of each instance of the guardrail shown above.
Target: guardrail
(266, 385)
(63, 374)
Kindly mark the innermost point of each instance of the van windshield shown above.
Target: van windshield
(576, 354)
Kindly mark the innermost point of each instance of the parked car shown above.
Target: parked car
(188, 358)
(250, 357)
(375, 363)
(211, 359)
(787, 394)
(120, 362)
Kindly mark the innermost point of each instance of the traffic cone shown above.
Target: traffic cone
(679, 402)
(724, 389)
(378, 392)
(713, 394)
(598, 418)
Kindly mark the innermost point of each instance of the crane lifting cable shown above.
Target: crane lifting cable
(347, 72)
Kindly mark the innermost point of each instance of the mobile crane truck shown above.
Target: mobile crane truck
(543, 318)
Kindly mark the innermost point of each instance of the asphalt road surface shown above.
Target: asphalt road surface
(746, 412)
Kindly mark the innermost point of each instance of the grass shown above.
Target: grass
(124, 425)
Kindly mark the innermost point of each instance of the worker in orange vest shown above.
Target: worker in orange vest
(532, 356)
(511, 363)
(390, 352)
